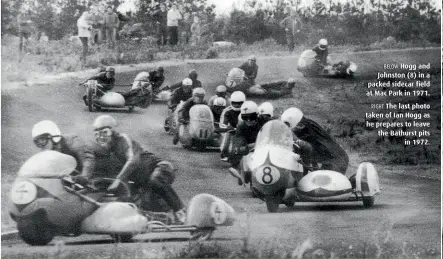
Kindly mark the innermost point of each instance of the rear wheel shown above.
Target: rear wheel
(368, 201)
(35, 232)
(202, 234)
(90, 99)
(122, 238)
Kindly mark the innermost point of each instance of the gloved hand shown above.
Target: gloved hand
(114, 186)
(80, 179)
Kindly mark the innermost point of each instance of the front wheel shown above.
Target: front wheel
(35, 232)
(368, 201)
(90, 96)
(272, 203)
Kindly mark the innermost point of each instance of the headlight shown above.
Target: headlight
(23, 192)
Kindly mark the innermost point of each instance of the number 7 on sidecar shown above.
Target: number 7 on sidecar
(45, 202)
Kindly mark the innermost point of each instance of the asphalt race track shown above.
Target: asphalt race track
(408, 210)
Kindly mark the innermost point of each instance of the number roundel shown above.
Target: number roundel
(267, 175)
(23, 192)
(218, 212)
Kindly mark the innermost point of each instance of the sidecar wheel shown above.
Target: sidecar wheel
(202, 234)
(272, 203)
(35, 232)
(368, 201)
(122, 238)
(146, 103)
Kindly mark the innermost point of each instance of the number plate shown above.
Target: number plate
(23, 192)
(267, 175)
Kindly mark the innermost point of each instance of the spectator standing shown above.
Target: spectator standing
(195, 31)
(112, 22)
(173, 17)
(161, 20)
(185, 28)
(84, 32)
(292, 26)
(24, 27)
(98, 21)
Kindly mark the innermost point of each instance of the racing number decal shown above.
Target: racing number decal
(218, 212)
(267, 176)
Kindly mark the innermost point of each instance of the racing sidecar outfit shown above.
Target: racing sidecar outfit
(325, 149)
(140, 166)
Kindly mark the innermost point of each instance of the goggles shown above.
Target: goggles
(236, 104)
(42, 141)
(249, 117)
(106, 132)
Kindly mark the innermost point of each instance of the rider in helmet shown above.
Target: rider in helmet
(250, 67)
(220, 92)
(246, 133)
(47, 136)
(198, 97)
(229, 120)
(106, 81)
(146, 170)
(183, 93)
(321, 49)
(323, 148)
(345, 68)
(265, 112)
(191, 75)
(218, 105)
(156, 78)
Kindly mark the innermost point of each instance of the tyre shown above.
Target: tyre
(272, 203)
(202, 234)
(122, 238)
(146, 102)
(90, 96)
(35, 231)
(368, 201)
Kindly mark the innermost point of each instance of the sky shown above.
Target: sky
(225, 6)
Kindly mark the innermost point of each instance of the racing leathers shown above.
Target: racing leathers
(107, 83)
(325, 150)
(228, 121)
(145, 169)
(177, 96)
(156, 78)
(74, 146)
(321, 57)
(250, 71)
(183, 113)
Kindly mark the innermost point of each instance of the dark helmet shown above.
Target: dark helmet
(160, 69)
(193, 74)
(110, 69)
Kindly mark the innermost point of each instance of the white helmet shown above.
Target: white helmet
(104, 121)
(237, 97)
(291, 80)
(323, 43)
(220, 101)
(198, 91)
(142, 76)
(252, 57)
(249, 107)
(187, 81)
(352, 68)
(266, 108)
(46, 127)
(292, 116)
(220, 89)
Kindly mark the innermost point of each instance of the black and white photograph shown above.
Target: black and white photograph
(221, 129)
